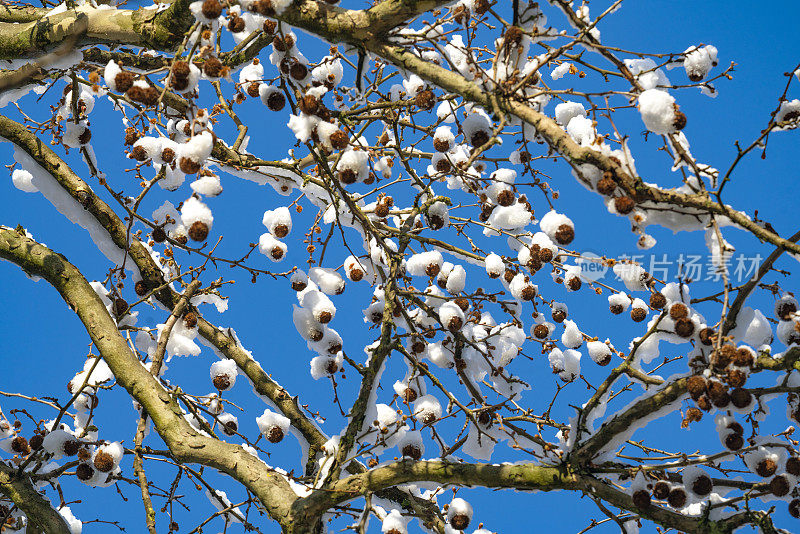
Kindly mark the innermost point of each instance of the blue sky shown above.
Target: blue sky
(42, 344)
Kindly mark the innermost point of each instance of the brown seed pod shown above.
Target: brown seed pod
(37, 440)
(325, 317)
(641, 499)
(616, 309)
(718, 394)
(412, 451)
(459, 521)
(269, 26)
(236, 24)
(706, 336)
(559, 316)
(198, 231)
(794, 508)
(684, 327)
(565, 234)
(541, 331)
(339, 140)
(677, 498)
(276, 101)
(124, 81)
(736, 378)
(785, 308)
(103, 462)
(743, 358)
(190, 319)
(159, 235)
(139, 153)
(131, 135)
(441, 145)
(20, 446)
(624, 205)
(529, 292)
(347, 176)
(253, 89)
(779, 486)
(180, 69)
(680, 119)
(264, 7)
(222, 382)
(545, 255)
(661, 490)
(168, 155)
(696, 386)
(298, 71)
(766, 467)
(275, 434)
(71, 447)
(678, 311)
(702, 485)
(792, 464)
(657, 300)
(213, 67)
(120, 306)
(425, 100)
(84, 472)
(211, 9)
(432, 269)
(704, 404)
(85, 137)
(479, 138)
(505, 197)
(443, 166)
(734, 441)
(606, 185)
(638, 314)
(481, 6)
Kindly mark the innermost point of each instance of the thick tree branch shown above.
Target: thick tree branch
(19, 488)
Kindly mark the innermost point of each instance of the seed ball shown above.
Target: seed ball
(141, 288)
(253, 89)
(441, 145)
(443, 166)
(657, 300)
(432, 269)
(180, 69)
(459, 521)
(641, 499)
(559, 316)
(696, 386)
(103, 462)
(481, 6)
(743, 358)
(211, 9)
(794, 508)
(276, 101)
(131, 135)
(347, 176)
(71, 447)
(275, 434)
(325, 317)
(146, 95)
(236, 24)
(222, 382)
(706, 336)
(124, 81)
(684, 327)
(37, 440)
(702, 485)
(785, 308)
(315, 335)
(606, 185)
(479, 138)
(638, 314)
(264, 7)
(718, 394)
(505, 198)
(189, 166)
(792, 464)
(736, 378)
(616, 309)
(680, 119)
(382, 209)
(20, 445)
(230, 428)
(418, 345)
(139, 153)
(182, 239)
(529, 293)
(85, 137)
(339, 140)
(462, 303)
(734, 426)
(198, 231)
(624, 205)
(704, 404)
(213, 67)
(159, 235)
(280, 44)
(412, 451)
(120, 306)
(565, 234)
(168, 155)
(276, 253)
(190, 319)
(734, 441)
(722, 357)
(540, 331)
(766, 467)
(677, 498)
(84, 472)
(269, 26)
(425, 100)
(455, 324)
(693, 414)
(779, 486)
(545, 255)
(661, 490)
(298, 71)
(678, 311)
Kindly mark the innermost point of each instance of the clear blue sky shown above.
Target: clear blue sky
(42, 344)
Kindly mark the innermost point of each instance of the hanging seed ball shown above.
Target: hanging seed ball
(624, 205)
(315, 335)
(230, 428)
(425, 100)
(269, 26)
(213, 67)
(702, 485)
(641, 499)
(441, 145)
(190, 319)
(657, 300)
(71, 447)
(735, 427)
(540, 331)
(84, 472)
(347, 176)
(182, 239)
(678, 311)
(459, 521)
(559, 316)
(120, 306)
(693, 414)
(443, 165)
(298, 71)
(779, 486)
(131, 135)
(766, 467)
(37, 440)
(743, 358)
(529, 292)
(706, 336)
(222, 382)
(721, 358)
(479, 138)
(680, 119)
(180, 69)
(20, 445)
(412, 451)
(696, 386)
(103, 462)
(455, 324)
(253, 89)
(124, 81)
(141, 288)
(280, 44)
(325, 317)
(545, 255)
(718, 394)
(236, 24)
(211, 9)
(198, 231)
(677, 498)
(276, 101)
(616, 309)
(661, 490)
(145, 95)
(638, 314)
(794, 508)
(481, 6)
(704, 404)
(382, 209)
(736, 378)
(606, 185)
(159, 235)
(432, 269)
(275, 434)
(792, 465)
(139, 153)
(684, 327)
(85, 137)
(462, 303)
(565, 234)
(410, 394)
(356, 274)
(264, 7)
(785, 308)
(339, 140)
(509, 275)
(734, 441)
(168, 155)
(505, 197)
